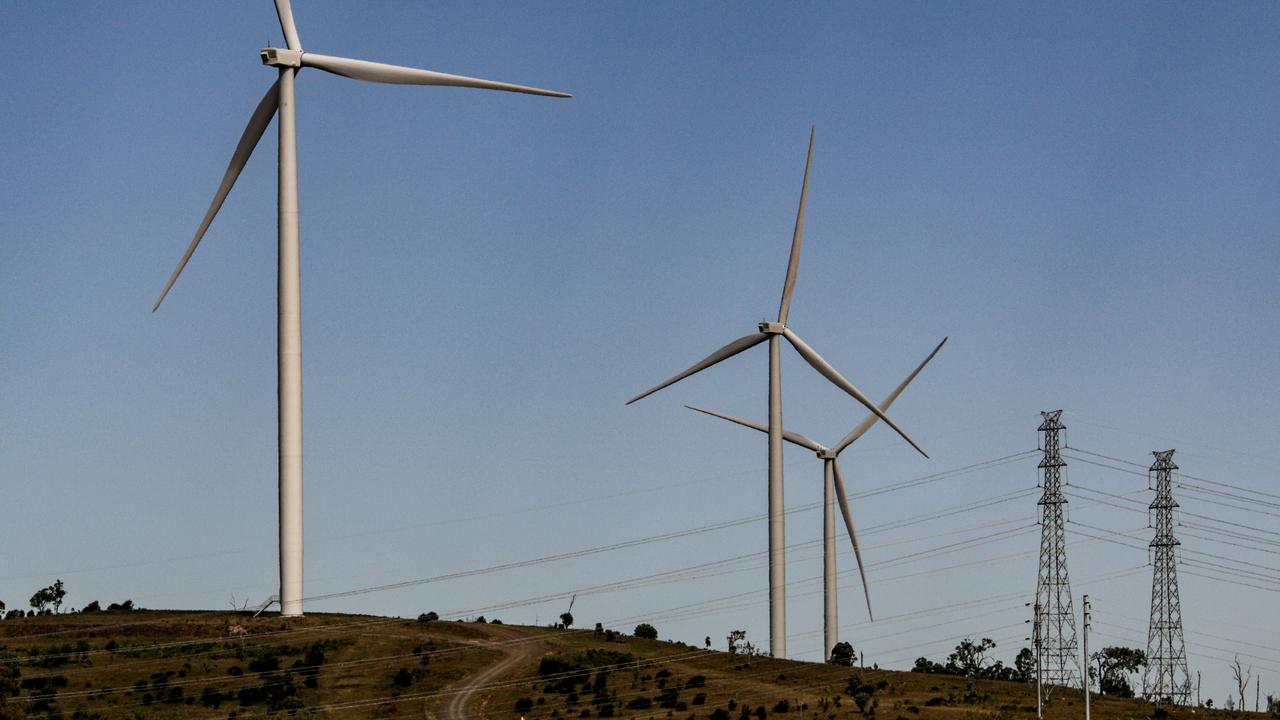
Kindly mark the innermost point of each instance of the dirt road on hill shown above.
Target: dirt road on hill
(462, 704)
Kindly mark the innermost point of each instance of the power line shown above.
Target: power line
(1186, 550)
(1233, 582)
(1181, 511)
(1195, 493)
(1228, 533)
(1194, 534)
(656, 578)
(1181, 474)
(658, 538)
(1087, 420)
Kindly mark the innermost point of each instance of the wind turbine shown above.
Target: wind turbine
(772, 331)
(833, 480)
(280, 98)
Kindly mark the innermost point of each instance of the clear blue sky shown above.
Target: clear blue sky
(1083, 198)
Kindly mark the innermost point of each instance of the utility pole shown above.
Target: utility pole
(1084, 650)
(1053, 586)
(1166, 678)
(1198, 703)
(1035, 642)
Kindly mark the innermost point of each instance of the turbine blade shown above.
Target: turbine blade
(823, 367)
(870, 420)
(399, 75)
(791, 437)
(285, 13)
(258, 123)
(843, 497)
(797, 240)
(724, 353)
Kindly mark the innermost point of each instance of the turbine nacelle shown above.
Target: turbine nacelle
(828, 454)
(773, 328)
(281, 57)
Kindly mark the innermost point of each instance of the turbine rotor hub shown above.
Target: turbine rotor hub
(772, 328)
(281, 57)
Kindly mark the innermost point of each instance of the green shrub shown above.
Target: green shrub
(269, 663)
(668, 697)
(553, 666)
(597, 658)
(211, 697)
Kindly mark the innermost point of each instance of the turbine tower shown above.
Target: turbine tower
(772, 331)
(1053, 588)
(833, 488)
(1166, 677)
(280, 98)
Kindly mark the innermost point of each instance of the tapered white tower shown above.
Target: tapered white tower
(280, 97)
(833, 491)
(774, 332)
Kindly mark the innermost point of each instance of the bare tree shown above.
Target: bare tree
(1243, 676)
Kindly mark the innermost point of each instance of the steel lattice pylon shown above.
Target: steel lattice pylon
(1166, 678)
(1059, 662)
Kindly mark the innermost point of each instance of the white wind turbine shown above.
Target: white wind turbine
(833, 482)
(772, 331)
(280, 97)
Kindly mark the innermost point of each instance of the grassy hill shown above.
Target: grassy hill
(166, 664)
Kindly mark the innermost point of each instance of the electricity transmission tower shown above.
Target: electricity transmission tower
(1053, 588)
(1166, 678)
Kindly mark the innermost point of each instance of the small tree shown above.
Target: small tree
(427, 617)
(41, 599)
(1115, 664)
(841, 654)
(970, 658)
(646, 631)
(925, 665)
(566, 619)
(1242, 677)
(735, 637)
(1025, 665)
(56, 595)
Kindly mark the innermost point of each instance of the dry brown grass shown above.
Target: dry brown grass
(151, 664)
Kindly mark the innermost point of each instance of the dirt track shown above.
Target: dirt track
(460, 704)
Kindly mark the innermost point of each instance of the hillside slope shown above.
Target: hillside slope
(166, 664)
